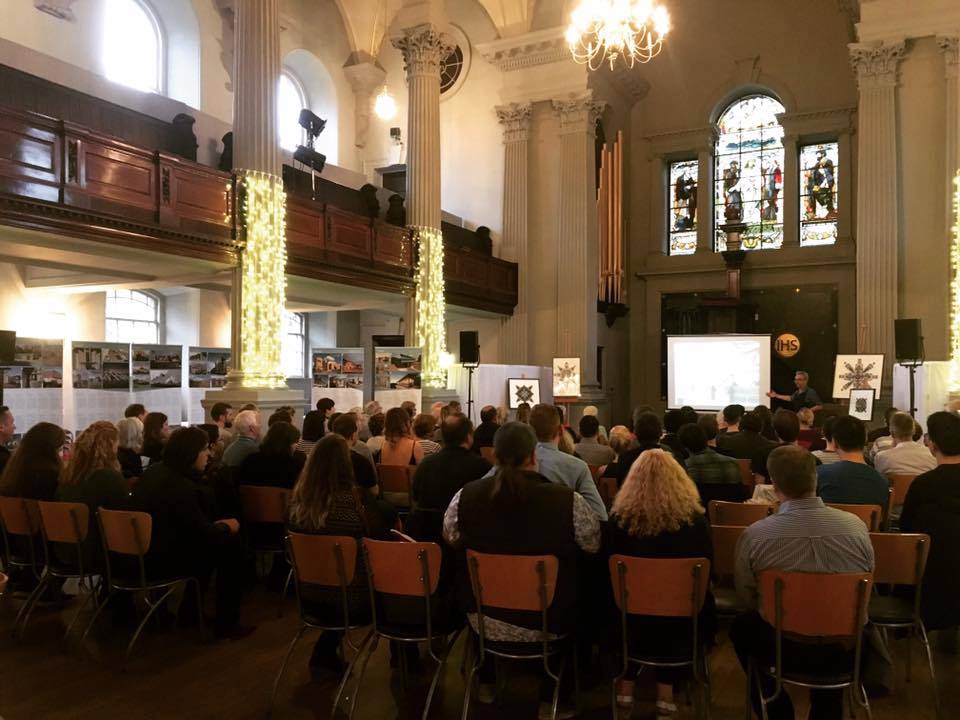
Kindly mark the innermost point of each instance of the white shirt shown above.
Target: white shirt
(905, 458)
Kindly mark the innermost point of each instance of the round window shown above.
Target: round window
(450, 69)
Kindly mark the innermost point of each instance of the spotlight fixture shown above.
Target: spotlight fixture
(306, 154)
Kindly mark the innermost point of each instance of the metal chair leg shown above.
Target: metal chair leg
(556, 689)
(909, 659)
(933, 674)
(436, 675)
(866, 702)
(468, 686)
(363, 669)
(27, 608)
(283, 594)
(92, 593)
(283, 665)
(93, 620)
(748, 705)
(146, 618)
(349, 671)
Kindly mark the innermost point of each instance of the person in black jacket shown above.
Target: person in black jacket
(747, 441)
(155, 434)
(483, 436)
(185, 541)
(441, 475)
(277, 463)
(130, 433)
(34, 468)
(647, 430)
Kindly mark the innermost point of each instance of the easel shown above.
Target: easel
(566, 402)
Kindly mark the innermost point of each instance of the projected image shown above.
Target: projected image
(711, 372)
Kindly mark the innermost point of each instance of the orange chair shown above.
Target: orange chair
(515, 582)
(900, 559)
(899, 486)
(409, 569)
(746, 472)
(607, 487)
(813, 607)
(66, 526)
(660, 587)
(127, 535)
(264, 507)
(396, 484)
(20, 522)
(487, 454)
(725, 539)
(733, 513)
(325, 561)
(871, 515)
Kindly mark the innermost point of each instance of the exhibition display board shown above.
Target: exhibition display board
(101, 382)
(207, 369)
(33, 384)
(338, 374)
(396, 376)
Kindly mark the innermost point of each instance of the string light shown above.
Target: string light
(264, 260)
(430, 306)
(955, 291)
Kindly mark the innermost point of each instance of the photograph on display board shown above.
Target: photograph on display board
(141, 374)
(857, 372)
(523, 390)
(51, 377)
(397, 368)
(87, 379)
(352, 363)
(321, 381)
(566, 377)
(208, 368)
(165, 378)
(28, 351)
(338, 368)
(382, 371)
(861, 404)
(166, 359)
(13, 378)
(40, 363)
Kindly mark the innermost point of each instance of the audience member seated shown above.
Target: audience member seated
(369, 410)
(280, 415)
(410, 408)
(8, 428)
(136, 410)
(364, 472)
(222, 415)
(787, 428)
(851, 480)
(440, 476)
(375, 425)
(592, 411)
(572, 436)
(729, 420)
(717, 476)
(155, 434)
(829, 454)
(277, 463)
(804, 536)
(711, 429)
(766, 422)
(246, 434)
(185, 541)
(559, 467)
(33, 470)
(883, 430)
(311, 433)
(621, 440)
(658, 514)
(483, 437)
(92, 476)
(932, 506)
(809, 437)
(746, 442)
(130, 434)
(907, 456)
(523, 413)
(399, 446)
(325, 406)
(517, 511)
(647, 432)
(424, 427)
(589, 449)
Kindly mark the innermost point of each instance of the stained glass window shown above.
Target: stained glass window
(749, 172)
(682, 207)
(818, 193)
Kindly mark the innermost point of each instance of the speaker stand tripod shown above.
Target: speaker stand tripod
(470, 368)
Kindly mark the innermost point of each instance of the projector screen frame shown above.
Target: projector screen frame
(765, 382)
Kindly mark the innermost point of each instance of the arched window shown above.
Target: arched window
(132, 45)
(291, 99)
(749, 171)
(294, 349)
(132, 316)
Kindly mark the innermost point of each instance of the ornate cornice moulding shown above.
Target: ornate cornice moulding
(537, 48)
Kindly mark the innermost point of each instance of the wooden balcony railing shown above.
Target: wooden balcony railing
(63, 178)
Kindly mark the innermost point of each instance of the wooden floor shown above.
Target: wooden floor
(174, 674)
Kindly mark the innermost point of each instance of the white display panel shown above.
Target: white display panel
(709, 372)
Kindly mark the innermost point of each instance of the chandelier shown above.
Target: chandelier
(607, 30)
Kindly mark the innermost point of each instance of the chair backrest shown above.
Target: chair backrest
(323, 559)
(513, 582)
(674, 587)
(125, 532)
(746, 472)
(816, 604)
(607, 487)
(899, 558)
(595, 471)
(487, 454)
(900, 484)
(397, 568)
(395, 478)
(732, 513)
(725, 539)
(262, 504)
(65, 522)
(869, 514)
(20, 516)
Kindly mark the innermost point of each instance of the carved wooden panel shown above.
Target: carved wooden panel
(194, 197)
(349, 234)
(29, 156)
(305, 230)
(392, 246)
(502, 276)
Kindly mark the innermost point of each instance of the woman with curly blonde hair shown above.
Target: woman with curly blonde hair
(657, 514)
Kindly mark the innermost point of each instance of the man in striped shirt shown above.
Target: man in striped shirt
(804, 536)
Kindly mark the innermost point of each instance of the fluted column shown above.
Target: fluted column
(515, 119)
(577, 260)
(259, 282)
(423, 48)
(877, 198)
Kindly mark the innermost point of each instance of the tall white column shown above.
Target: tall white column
(515, 119)
(577, 265)
(877, 198)
(424, 48)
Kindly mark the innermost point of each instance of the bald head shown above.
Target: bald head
(457, 431)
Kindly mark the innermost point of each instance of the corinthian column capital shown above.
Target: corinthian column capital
(876, 65)
(515, 119)
(424, 49)
(578, 113)
(950, 46)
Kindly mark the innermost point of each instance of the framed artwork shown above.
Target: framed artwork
(523, 390)
(857, 372)
(861, 404)
(566, 377)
